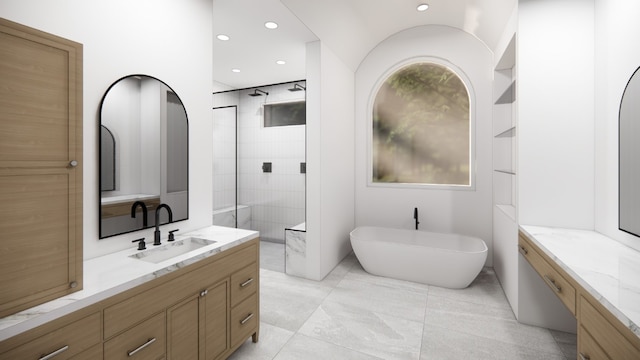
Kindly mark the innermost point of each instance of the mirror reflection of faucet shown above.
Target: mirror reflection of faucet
(156, 233)
(144, 212)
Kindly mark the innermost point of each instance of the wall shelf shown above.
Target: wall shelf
(508, 209)
(509, 95)
(507, 133)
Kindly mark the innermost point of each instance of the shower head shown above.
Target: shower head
(297, 87)
(257, 91)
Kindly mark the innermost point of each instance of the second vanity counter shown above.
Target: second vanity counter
(115, 273)
(597, 279)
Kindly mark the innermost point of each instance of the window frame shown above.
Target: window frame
(472, 126)
(275, 103)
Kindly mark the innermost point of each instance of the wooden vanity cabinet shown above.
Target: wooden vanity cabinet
(76, 336)
(601, 336)
(551, 276)
(145, 341)
(203, 311)
(197, 327)
(198, 305)
(40, 167)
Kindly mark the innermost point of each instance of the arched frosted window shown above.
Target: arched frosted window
(421, 128)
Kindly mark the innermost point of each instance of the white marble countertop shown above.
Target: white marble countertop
(607, 269)
(114, 273)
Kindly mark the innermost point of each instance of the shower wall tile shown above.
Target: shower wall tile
(277, 198)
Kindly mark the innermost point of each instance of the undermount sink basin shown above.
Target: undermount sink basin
(167, 251)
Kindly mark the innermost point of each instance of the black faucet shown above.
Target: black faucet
(156, 234)
(144, 212)
(415, 216)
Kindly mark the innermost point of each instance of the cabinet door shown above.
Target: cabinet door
(182, 330)
(215, 320)
(40, 167)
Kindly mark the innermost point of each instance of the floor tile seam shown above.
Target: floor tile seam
(424, 326)
(286, 343)
(500, 320)
(349, 346)
(559, 346)
(377, 313)
(338, 345)
(399, 289)
(519, 345)
(482, 317)
(504, 307)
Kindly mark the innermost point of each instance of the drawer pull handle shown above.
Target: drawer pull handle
(244, 321)
(55, 353)
(149, 342)
(584, 357)
(523, 250)
(249, 281)
(552, 283)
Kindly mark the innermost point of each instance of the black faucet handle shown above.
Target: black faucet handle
(141, 244)
(171, 236)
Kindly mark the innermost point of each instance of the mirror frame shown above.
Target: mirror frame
(625, 194)
(151, 224)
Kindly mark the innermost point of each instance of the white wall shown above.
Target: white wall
(555, 91)
(556, 147)
(617, 30)
(466, 212)
(122, 37)
(330, 160)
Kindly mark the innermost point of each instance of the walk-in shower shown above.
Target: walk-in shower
(265, 130)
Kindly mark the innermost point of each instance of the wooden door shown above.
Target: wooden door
(40, 167)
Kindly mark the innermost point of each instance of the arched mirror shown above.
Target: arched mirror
(629, 167)
(144, 155)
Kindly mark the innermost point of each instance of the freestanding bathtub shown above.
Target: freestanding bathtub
(446, 260)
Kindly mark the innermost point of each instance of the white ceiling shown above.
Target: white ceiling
(350, 28)
(253, 48)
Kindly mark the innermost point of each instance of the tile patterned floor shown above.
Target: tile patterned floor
(354, 315)
(272, 256)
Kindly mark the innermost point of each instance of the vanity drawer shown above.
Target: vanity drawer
(68, 341)
(244, 282)
(146, 341)
(612, 342)
(563, 289)
(588, 348)
(244, 319)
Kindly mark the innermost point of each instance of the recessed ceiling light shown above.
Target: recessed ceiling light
(235, 70)
(281, 62)
(422, 7)
(223, 37)
(270, 25)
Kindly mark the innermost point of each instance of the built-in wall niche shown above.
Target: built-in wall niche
(504, 131)
(629, 167)
(144, 150)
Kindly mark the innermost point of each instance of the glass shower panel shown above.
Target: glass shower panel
(271, 163)
(224, 150)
